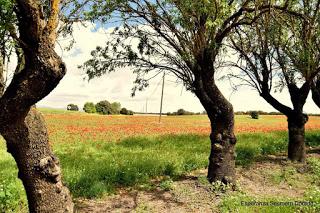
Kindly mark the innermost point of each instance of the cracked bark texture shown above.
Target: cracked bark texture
(296, 128)
(22, 126)
(221, 116)
(222, 156)
(39, 169)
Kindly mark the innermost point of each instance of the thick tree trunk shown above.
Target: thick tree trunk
(296, 128)
(220, 112)
(39, 170)
(222, 156)
(296, 119)
(23, 128)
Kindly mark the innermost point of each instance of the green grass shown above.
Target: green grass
(92, 170)
(95, 169)
(57, 111)
(12, 194)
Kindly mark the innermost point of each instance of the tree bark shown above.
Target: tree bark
(220, 112)
(39, 170)
(222, 155)
(296, 128)
(315, 89)
(296, 120)
(23, 127)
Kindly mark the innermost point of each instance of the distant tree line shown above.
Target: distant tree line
(185, 112)
(257, 111)
(103, 107)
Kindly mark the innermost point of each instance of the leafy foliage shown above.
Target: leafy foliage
(115, 108)
(254, 114)
(89, 107)
(104, 107)
(7, 23)
(280, 50)
(107, 108)
(174, 36)
(72, 107)
(125, 111)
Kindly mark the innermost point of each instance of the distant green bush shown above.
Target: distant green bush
(115, 108)
(125, 111)
(72, 107)
(104, 107)
(89, 107)
(107, 108)
(254, 114)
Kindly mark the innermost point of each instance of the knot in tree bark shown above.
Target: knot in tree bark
(49, 168)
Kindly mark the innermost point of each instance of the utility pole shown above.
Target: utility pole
(161, 97)
(147, 105)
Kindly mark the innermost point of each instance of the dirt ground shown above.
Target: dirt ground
(272, 176)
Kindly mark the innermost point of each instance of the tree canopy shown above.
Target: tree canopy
(281, 50)
(186, 39)
(166, 35)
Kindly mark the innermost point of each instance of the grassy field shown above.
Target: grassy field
(101, 155)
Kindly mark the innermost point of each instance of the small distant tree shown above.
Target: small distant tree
(89, 107)
(115, 108)
(124, 111)
(104, 107)
(181, 112)
(254, 114)
(130, 112)
(72, 107)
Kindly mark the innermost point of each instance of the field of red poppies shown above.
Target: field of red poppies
(66, 126)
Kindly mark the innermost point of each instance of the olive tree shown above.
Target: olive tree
(22, 126)
(281, 50)
(184, 38)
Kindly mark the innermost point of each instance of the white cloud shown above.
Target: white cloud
(117, 86)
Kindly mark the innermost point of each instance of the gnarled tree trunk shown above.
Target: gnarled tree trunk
(22, 126)
(296, 129)
(222, 156)
(39, 170)
(220, 112)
